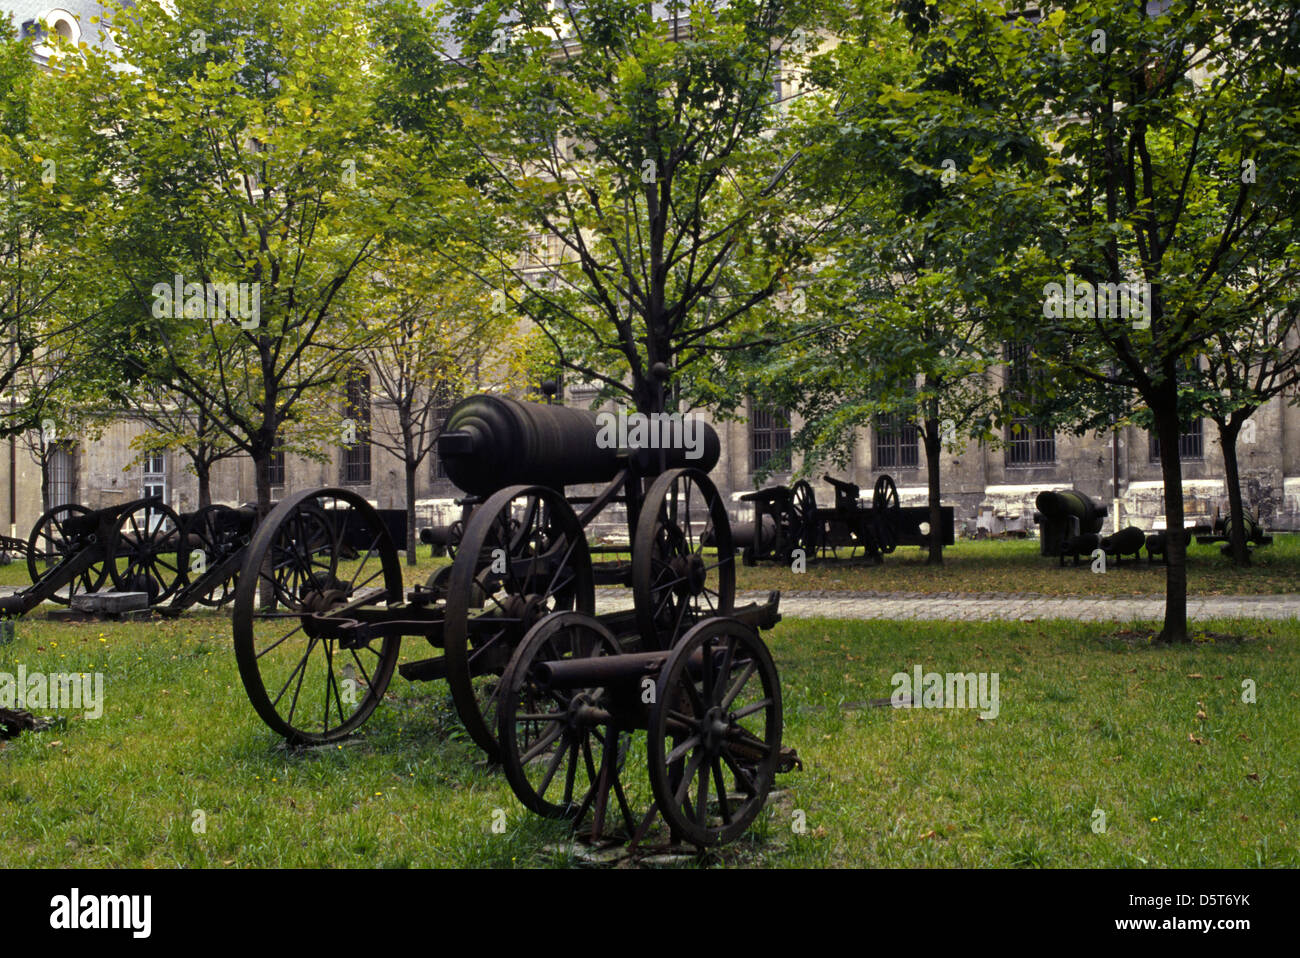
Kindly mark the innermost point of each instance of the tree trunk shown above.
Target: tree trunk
(1168, 428)
(1228, 432)
(411, 558)
(933, 452)
(262, 475)
(203, 470)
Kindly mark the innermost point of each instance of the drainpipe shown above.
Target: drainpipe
(1114, 462)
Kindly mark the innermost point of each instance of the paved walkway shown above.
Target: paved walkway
(989, 607)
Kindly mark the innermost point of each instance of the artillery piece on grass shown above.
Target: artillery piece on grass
(539, 680)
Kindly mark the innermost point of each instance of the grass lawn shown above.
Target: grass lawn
(980, 566)
(1089, 720)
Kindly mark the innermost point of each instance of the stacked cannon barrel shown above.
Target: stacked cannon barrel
(541, 683)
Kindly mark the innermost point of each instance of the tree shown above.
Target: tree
(436, 333)
(255, 179)
(1253, 361)
(1149, 211)
(899, 319)
(643, 148)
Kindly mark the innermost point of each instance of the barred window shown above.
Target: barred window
(769, 436)
(275, 468)
(1191, 441)
(356, 457)
(1028, 443)
(443, 402)
(62, 465)
(897, 443)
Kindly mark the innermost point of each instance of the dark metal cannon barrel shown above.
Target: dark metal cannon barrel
(1072, 503)
(490, 442)
(1063, 515)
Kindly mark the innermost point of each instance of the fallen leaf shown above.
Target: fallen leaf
(1253, 776)
(1191, 737)
(1201, 716)
(929, 834)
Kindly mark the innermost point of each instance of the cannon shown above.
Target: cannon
(1158, 545)
(1221, 531)
(318, 623)
(1062, 516)
(788, 518)
(74, 550)
(1127, 542)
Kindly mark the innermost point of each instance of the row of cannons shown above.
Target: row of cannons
(1070, 524)
(141, 549)
(568, 699)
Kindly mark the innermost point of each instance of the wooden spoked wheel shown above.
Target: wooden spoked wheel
(884, 514)
(523, 557)
(51, 542)
(317, 554)
(146, 552)
(804, 503)
(676, 579)
(714, 740)
(561, 748)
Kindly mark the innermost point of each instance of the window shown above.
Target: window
(896, 443)
(62, 466)
(1028, 443)
(769, 437)
(155, 475)
(1191, 441)
(441, 410)
(275, 468)
(356, 456)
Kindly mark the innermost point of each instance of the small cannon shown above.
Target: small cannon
(1127, 542)
(1063, 516)
(517, 604)
(1158, 545)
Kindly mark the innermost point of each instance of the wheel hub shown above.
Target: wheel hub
(714, 728)
(690, 570)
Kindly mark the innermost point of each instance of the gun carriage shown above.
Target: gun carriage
(541, 682)
(788, 518)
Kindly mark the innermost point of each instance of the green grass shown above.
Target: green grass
(980, 566)
(1014, 565)
(1088, 721)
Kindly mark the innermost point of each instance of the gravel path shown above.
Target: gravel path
(998, 606)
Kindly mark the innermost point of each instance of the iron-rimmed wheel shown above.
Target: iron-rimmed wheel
(717, 715)
(50, 543)
(317, 551)
(523, 557)
(213, 531)
(885, 510)
(884, 495)
(560, 748)
(676, 579)
(146, 552)
(804, 501)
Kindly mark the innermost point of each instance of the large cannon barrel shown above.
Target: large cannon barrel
(1070, 503)
(490, 442)
(1062, 515)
